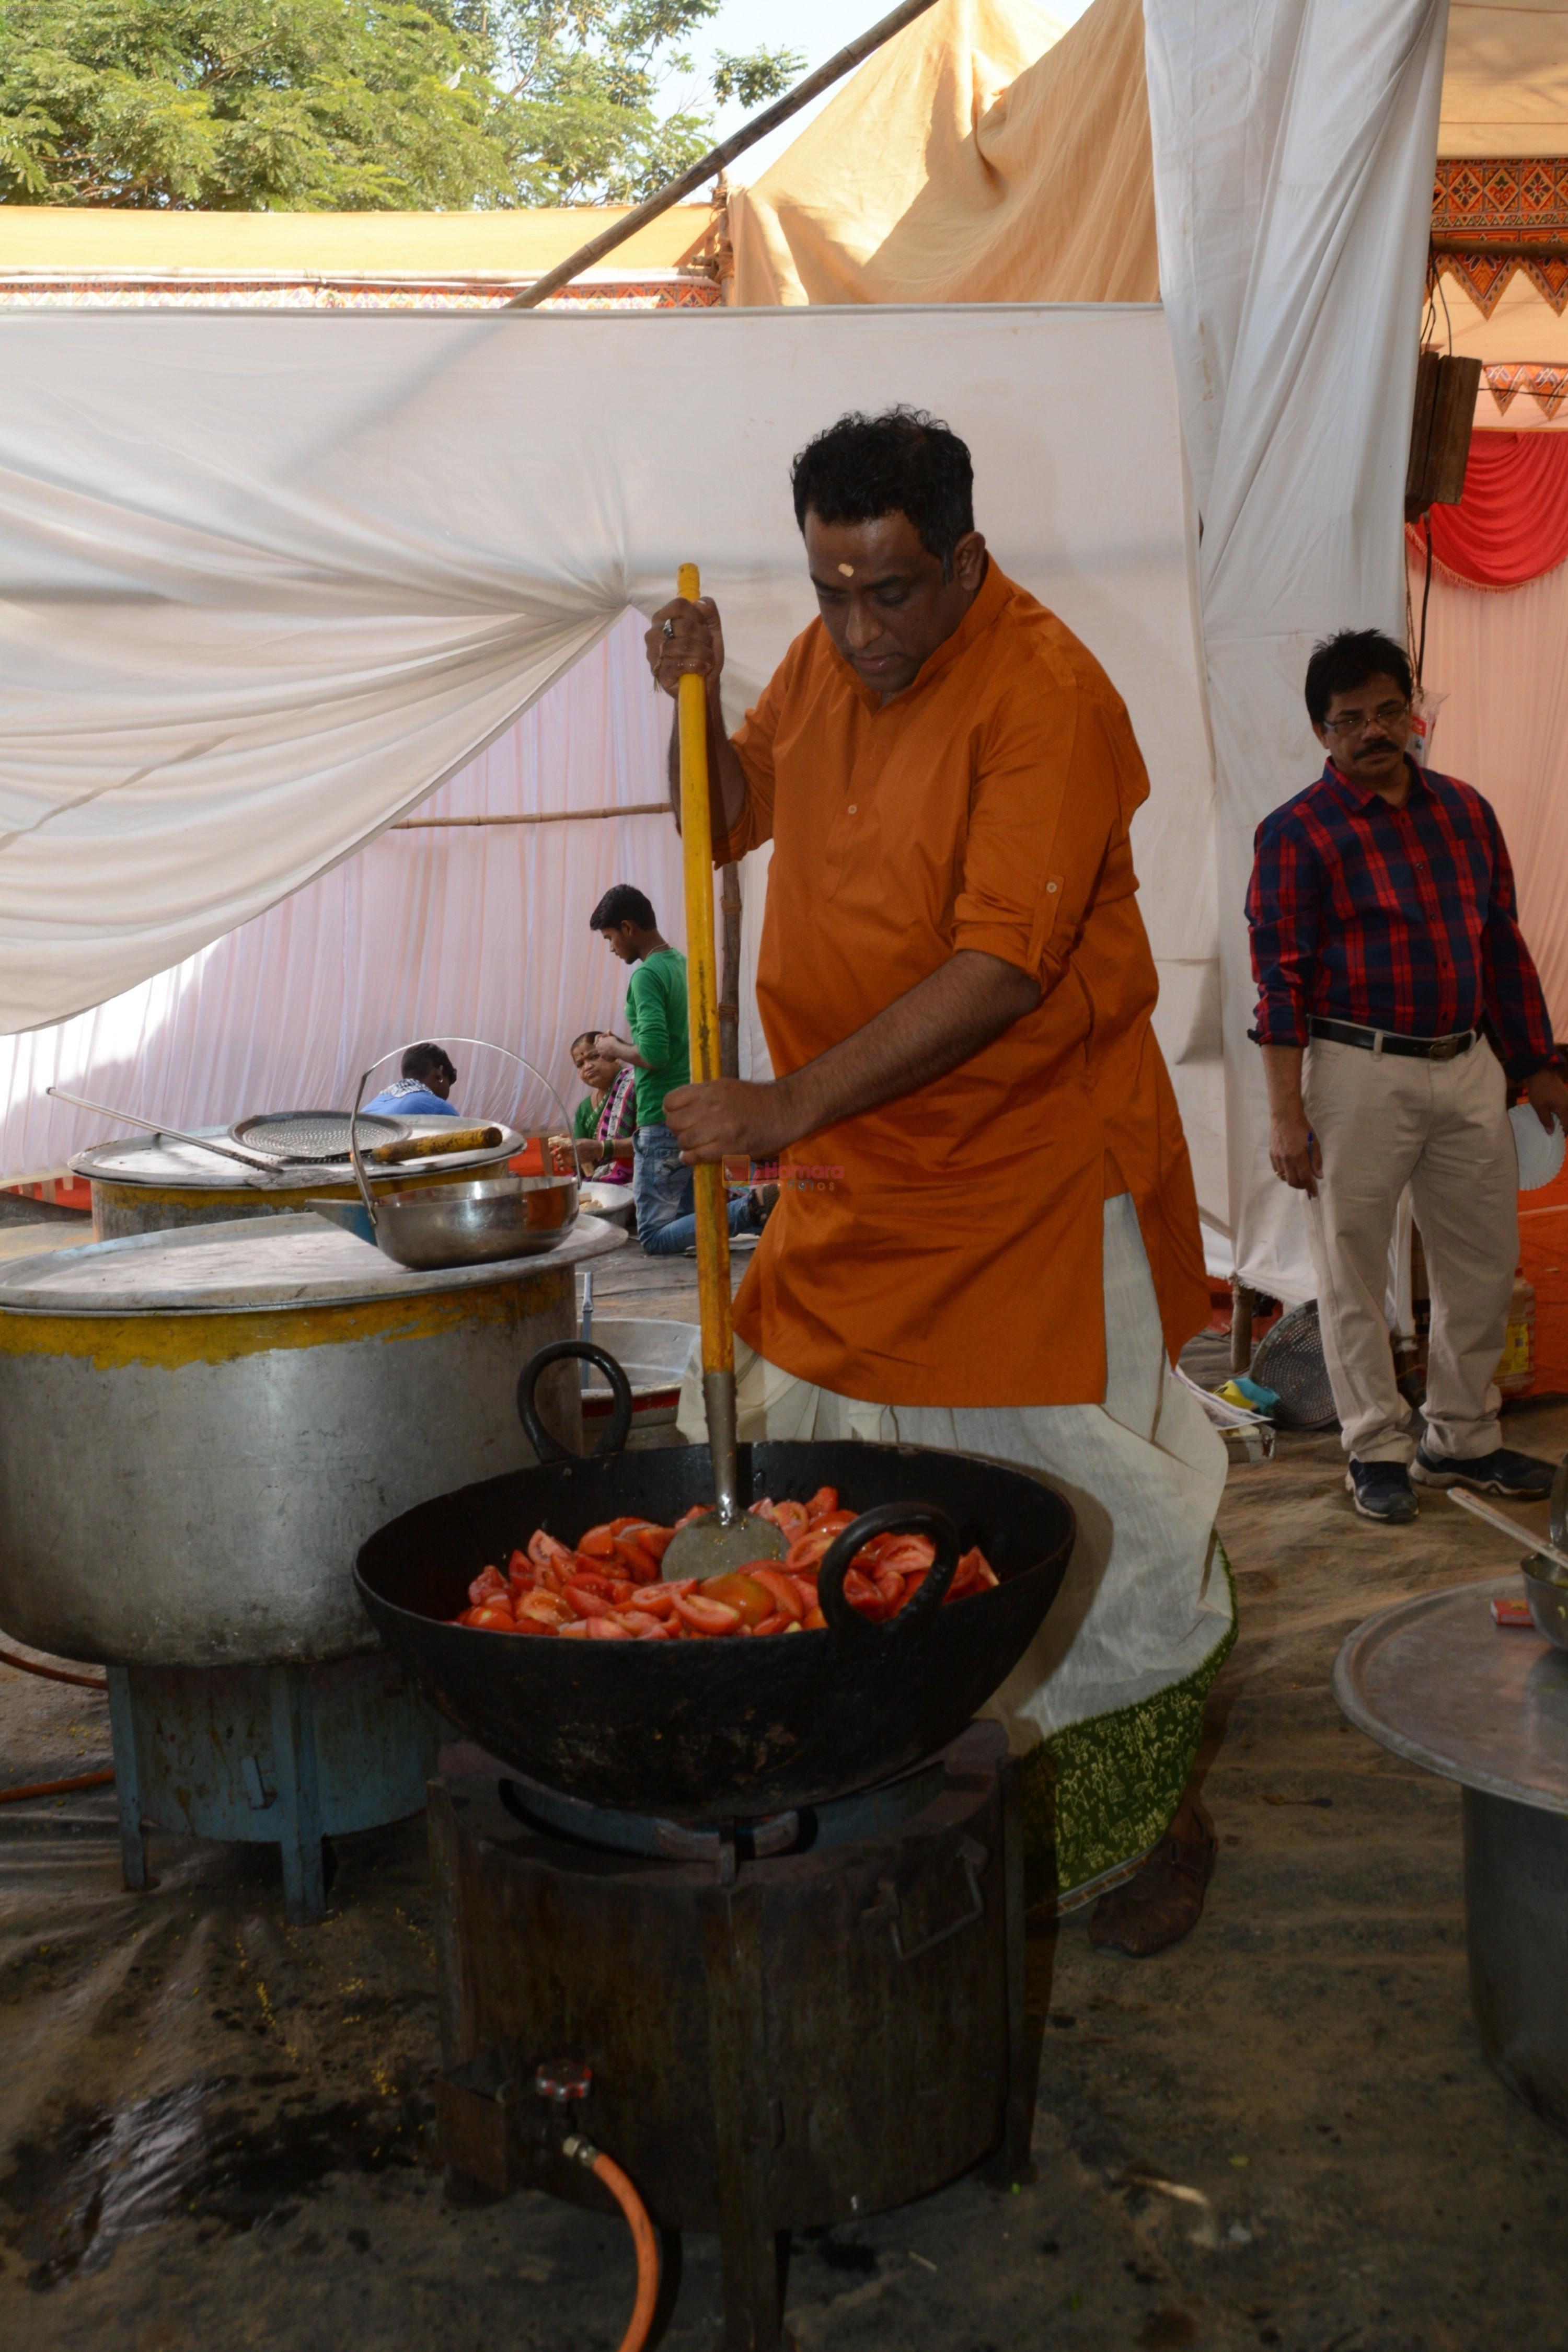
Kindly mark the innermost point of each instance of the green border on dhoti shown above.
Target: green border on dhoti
(1102, 1792)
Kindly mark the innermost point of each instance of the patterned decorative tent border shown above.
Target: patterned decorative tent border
(1543, 382)
(1502, 199)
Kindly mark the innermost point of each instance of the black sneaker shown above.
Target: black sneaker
(1382, 1490)
(1501, 1471)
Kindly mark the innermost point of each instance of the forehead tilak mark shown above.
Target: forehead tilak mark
(847, 570)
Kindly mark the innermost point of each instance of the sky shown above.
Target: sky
(812, 28)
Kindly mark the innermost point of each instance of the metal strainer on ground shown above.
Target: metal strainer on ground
(1289, 1360)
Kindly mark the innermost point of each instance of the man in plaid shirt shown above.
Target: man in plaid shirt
(1383, 935)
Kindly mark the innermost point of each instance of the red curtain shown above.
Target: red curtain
(1511, 524)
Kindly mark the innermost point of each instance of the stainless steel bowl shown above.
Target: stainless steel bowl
(499, 1217)
(611, 1201)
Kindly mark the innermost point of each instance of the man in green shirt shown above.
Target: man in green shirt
(658, 1053)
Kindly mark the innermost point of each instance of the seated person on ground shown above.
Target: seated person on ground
(428, 1077)
(606, 1119)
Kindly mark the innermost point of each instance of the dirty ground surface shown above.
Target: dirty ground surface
(1282, 2133)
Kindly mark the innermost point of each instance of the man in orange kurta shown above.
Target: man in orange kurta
(956, 989)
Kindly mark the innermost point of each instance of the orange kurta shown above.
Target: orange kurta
(952, 1255)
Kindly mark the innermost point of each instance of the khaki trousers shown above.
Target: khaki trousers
(1383, 1121)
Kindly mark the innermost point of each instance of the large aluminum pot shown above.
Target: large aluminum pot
(198, 1429)
(149, 1185)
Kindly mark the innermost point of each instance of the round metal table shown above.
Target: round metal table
(1437, 1681)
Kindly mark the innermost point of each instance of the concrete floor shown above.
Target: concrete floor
(1282, 2133)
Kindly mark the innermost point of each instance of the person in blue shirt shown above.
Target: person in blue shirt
(428, 1077)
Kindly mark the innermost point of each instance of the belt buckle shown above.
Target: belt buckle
(1444, 1049)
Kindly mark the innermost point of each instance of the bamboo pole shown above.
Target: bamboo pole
(546, 816)
(718, 157)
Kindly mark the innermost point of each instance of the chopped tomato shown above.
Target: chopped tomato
(863, 1595)
(792, 1519)
(542, 1609)
(890, 1585)
(578, 1631)
(655, 1541)
(547, 1551)
(587, 1604)
(636, 1562)
(607, 1628)
(807, 1550)
(786, 1592)
(651, 1601)
(741, 1591)
(488, 1583)
(598, 1543)
(493, 1620)
(773, 1624)
(826, 1499)
(698, 1511)
(705, 1616)
(814, 1622)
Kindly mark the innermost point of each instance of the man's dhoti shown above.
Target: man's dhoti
(1107, 1705)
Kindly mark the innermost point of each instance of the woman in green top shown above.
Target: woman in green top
(605, 1119)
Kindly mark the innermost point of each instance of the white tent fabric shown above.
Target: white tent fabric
(1504, 728)
(464, 930)
(1294, 146)
(340, 551)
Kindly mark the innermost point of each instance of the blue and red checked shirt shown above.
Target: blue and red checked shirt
(1397, 919)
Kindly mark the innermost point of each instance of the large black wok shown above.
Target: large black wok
(731, 1728)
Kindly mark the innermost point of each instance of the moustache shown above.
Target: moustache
(1381, 744)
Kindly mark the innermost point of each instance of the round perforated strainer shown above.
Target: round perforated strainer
(1289, 1360)
(313, 1134)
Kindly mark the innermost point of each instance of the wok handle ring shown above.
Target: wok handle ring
(845, 1621)
(548, 1448)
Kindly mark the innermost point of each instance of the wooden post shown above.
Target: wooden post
(1240, 1326)
(730, 973)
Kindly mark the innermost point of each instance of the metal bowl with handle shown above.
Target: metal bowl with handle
(479, 1223)
(733, 1728)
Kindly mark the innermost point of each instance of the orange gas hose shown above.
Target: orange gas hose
(604, 2168)
(55, 1788)
(52, 1673)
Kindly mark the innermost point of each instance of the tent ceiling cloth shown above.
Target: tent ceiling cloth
(985, 156)
(340, 552)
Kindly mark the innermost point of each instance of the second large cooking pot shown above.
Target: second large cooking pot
(731, 1728)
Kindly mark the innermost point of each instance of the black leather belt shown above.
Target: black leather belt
(1384, 1040)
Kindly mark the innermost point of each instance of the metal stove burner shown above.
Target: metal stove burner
(784, 2042)
(806, 1829)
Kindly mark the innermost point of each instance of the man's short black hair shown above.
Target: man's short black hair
(1342, 662)
(429, 1062)
(902, 462)
(623, 904)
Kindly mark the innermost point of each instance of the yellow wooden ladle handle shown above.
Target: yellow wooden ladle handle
(702, 1002)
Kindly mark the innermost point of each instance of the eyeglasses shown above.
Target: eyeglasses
(1356, 722)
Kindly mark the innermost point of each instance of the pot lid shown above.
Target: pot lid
(155, 1159)
(255, 1262)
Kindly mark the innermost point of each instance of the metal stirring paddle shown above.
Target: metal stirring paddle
(729, 1535)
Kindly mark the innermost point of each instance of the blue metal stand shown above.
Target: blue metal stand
(284, 1755)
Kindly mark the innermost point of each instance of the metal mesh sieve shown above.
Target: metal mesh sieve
(313, 1135)
(1289, 1360)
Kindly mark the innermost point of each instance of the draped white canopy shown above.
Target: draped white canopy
(265, 580)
